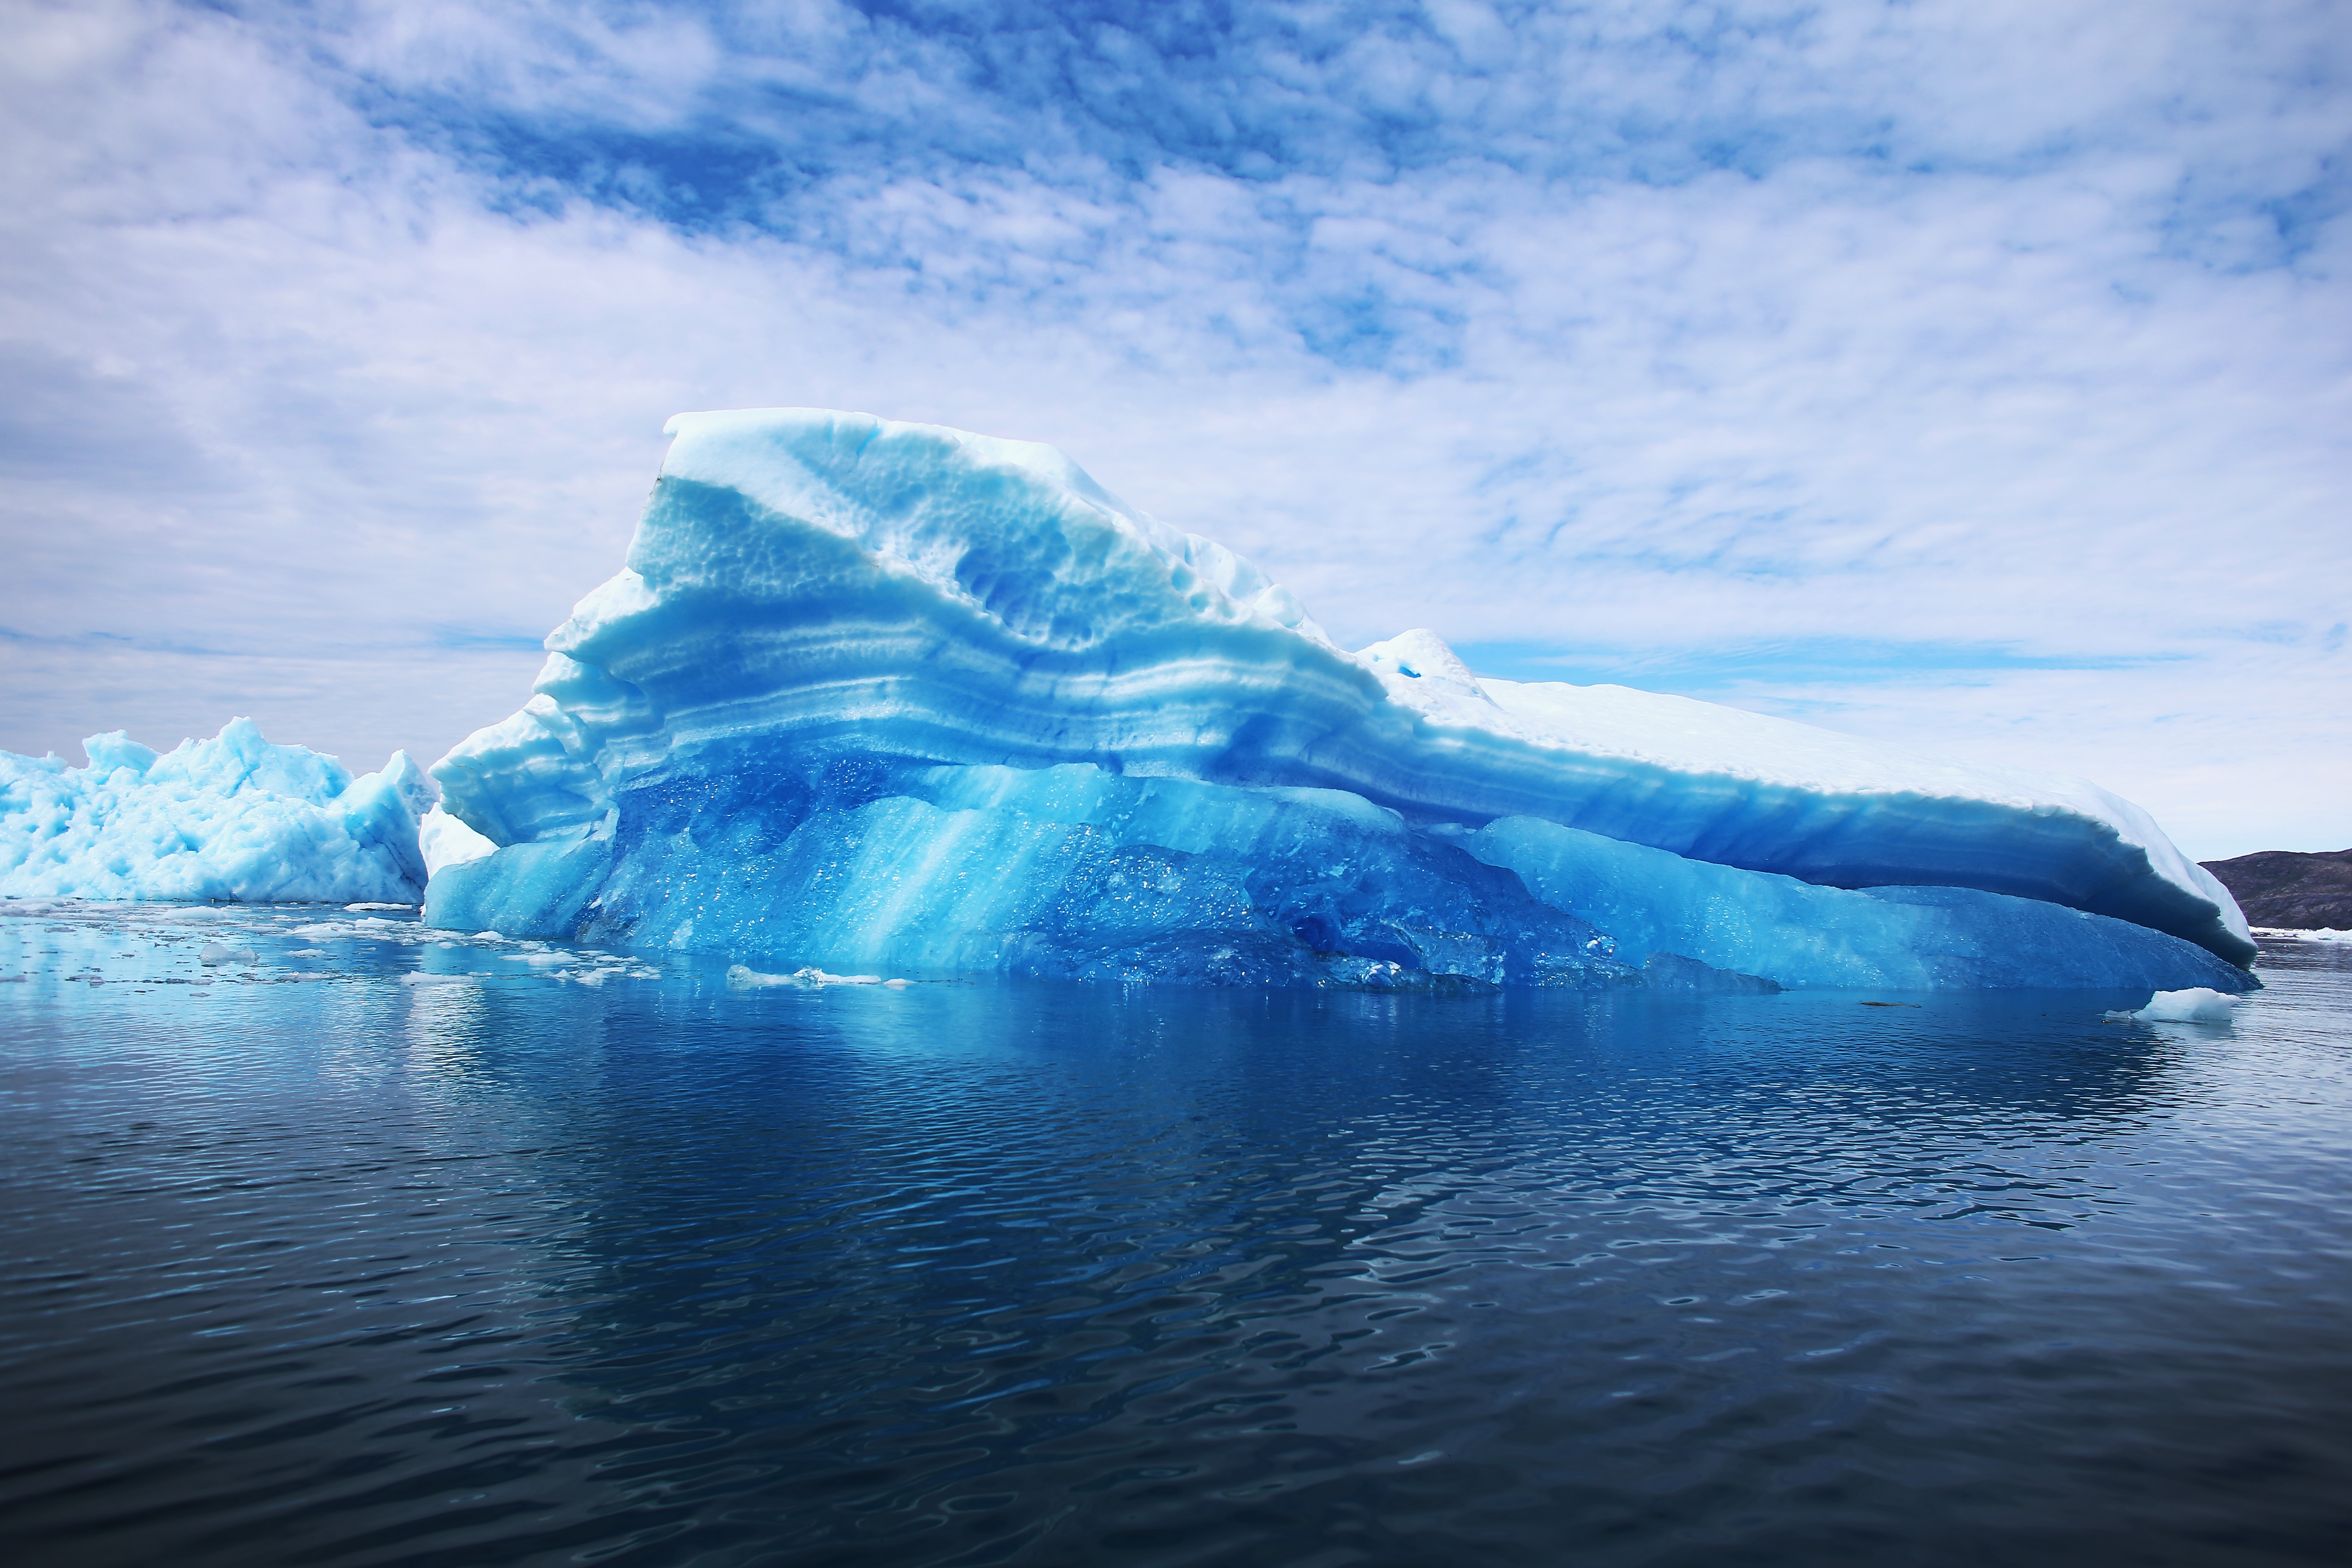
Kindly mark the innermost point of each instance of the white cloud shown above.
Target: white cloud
(1977, 340)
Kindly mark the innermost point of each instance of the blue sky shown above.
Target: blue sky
(1976, 376)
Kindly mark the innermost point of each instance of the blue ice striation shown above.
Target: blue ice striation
(233, 817)
(880, 696)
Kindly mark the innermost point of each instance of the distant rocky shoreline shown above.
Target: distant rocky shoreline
(2279, 888)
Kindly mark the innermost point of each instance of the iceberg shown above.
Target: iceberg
(233, 817)
(891, 697)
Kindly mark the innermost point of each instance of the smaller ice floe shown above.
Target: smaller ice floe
(355, 908)
(224, 953)
(2197, 1005)
(745, 977)
(582, 968)
(605, 968)
(373, 928)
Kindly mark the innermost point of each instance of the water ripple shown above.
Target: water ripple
(507, 1269)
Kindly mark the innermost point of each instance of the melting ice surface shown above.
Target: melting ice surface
(891, 698)
(231, 817)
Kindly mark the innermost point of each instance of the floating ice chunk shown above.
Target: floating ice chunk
(231, 817)
(2197, 1005)
(743, 976)
(224, 953)
(356, 908)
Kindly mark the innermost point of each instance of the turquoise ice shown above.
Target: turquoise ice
(870, 695)
(231, 817)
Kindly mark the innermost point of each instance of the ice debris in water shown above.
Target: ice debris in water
(871, 697)
(2324, 933)
(747, 978)
(231, 817)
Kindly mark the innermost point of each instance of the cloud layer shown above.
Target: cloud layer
(1976, 376)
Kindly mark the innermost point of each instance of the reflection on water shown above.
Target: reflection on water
(375, 1268)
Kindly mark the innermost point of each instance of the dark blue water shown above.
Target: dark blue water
(514, 1269)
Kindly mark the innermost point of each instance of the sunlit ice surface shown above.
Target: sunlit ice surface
(331, 1238)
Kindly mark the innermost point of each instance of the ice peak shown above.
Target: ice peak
(1420, 670)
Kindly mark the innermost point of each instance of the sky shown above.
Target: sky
(1973, 376)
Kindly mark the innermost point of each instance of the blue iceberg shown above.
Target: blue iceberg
(870, 695)
(231, 817)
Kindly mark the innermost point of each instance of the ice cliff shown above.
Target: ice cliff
(874, 694)
(231, 817)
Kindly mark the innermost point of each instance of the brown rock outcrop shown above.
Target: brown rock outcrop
(2281, 888)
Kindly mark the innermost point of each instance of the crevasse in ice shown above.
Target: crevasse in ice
(231, 817)
(876, 695)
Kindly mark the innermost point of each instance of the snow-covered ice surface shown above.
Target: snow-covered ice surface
(872, 696)
(231, 817)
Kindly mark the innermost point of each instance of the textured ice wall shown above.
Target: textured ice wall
(815, 604)
(1074, 871)
(231, 817)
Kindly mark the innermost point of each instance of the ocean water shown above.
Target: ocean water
(327, 1243)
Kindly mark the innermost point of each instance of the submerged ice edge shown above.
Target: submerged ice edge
(209, 951)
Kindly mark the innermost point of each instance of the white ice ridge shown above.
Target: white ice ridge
(442, 840)
(231, 817)
(808, 583)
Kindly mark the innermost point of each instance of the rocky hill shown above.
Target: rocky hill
(2280, 888)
